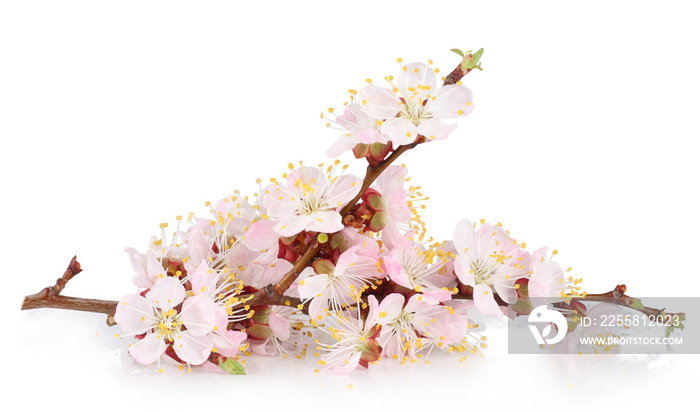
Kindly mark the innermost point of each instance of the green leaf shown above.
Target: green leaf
(232, 366)
(477, 55)
(458, 51)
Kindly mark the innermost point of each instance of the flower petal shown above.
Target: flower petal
(192, 349)
(485, 301)
(435, 129)
(390, 308)
(379, 102)
(198, 315)
(292, 225)
(325, 222)
(400, 131)
(279, 326)
(134, 314)
(148, 349)
(167, 293)
(450, 101)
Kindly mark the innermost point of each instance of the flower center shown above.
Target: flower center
(312, 204)
(482, 272)
(167, 323)
(414, 111)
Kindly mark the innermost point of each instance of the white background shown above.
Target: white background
(116, 116)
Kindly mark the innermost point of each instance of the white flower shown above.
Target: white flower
(358, 129)
(415, 107)
(421, 270)
(489, 259)
(333, 287)
(164, 323)
(355, 340)
(309, 201)
(420, 324)
(547, 278)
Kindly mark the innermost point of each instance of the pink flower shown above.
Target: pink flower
(489, 259)
(422, 270)
(282, 333)
(396, 212)
(147, 266)
(420, 324)
(261, 237)
(358, 128)
(309, 201)
(546, 276)
(242, 262)
(354, 340)
(415, 107)
(333, 287)
(159, 316)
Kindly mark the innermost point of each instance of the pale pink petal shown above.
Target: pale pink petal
(346, 142)
(134, 314)
(485, 301)
(392, 178)
(346, 259)
(391, 344)
(312, 176)
(372, 313)
(292, 225)
(450, 101)
(401, 131)
(439, 294)
(317, 307)
(198, 249)
(198, 315)
(506, 290)
(455, 328)
(228, 342)
(220, 319)
(263, 348)
(435, 129)
(390, 308)
(261, 236)
(343, 190)
(463, 270)
(138, 262)
(154, 267)
(204, 279)
(350, 366)
(167, 293)
(312, 285)
(415, 75)
(395, 270)
(279, 326)
(366, 246)
(370, 136)
(148, 349)
(278, 201)
(325, 222)
(464, 237)
(192, 349)
(379, 102)
(393, 239)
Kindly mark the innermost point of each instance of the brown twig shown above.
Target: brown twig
(50, 297)
(616, 296)
(456, 75)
